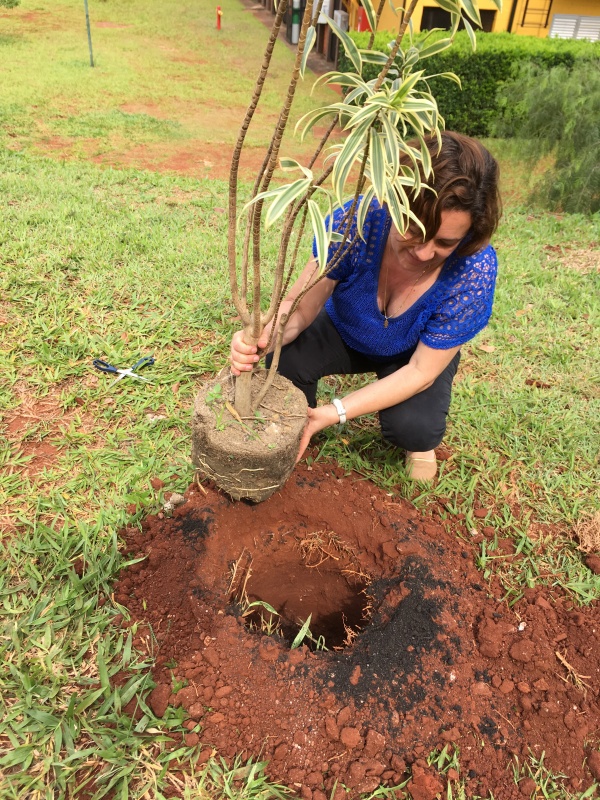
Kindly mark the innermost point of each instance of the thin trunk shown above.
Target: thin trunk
(406, 17)
(239, 298)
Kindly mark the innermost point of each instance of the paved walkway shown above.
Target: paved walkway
(317, 63)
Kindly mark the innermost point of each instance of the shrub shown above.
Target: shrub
(557, 114)
(9, 3)
(473, 108)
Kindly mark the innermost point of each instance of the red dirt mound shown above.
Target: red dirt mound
(421, 653)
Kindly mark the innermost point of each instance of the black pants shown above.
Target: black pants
(417, 424)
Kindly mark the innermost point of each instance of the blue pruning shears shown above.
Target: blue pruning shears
(104, 366)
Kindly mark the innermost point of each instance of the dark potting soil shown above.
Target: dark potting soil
(421, 654)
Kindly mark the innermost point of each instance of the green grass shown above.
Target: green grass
(150, 58)
(118, 264)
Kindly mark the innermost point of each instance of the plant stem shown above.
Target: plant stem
(239, 298)
(396, 46)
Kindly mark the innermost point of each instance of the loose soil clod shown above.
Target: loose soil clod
(433, 657)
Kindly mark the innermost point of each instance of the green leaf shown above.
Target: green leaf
(453, 6)
(320, 231)
(301, 633)
(311, 40)
(363, 208)
(286, 163)
(102, 669)
(425, 156)
(373, 57)
(283, 200)
(310, 119)
(472, 10)
(262, 604)
(471, 32)
(344, 79)
(405, 88)
(398, 209)
(436, 47)
(391, 143)
(351, 49)
(88, 700)
(352, 147)
(359, 116)
(371, 15)
(449, 75)
(333, 77)
(378, 164)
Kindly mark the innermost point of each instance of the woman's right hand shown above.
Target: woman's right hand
(243, 356)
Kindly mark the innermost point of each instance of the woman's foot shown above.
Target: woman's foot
(421, 466)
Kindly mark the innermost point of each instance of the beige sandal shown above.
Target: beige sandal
(420, 469)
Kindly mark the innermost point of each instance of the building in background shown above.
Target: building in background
(566, 19)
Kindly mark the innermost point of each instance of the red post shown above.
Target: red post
(219, 15)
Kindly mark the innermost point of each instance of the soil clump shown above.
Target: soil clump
(422, 654)
(250, 459)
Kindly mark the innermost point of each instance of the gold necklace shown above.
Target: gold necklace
(386, 319)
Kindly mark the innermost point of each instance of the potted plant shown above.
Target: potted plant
(246, 430)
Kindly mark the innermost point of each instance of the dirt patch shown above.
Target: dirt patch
(31, 428)
(194, 157)
(582, 260)
(421, 654)
(149, 109)
(110, 25)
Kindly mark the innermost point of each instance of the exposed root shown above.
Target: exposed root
(573, 675)
(319, 546)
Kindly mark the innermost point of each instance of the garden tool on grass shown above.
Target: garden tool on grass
(104, 366)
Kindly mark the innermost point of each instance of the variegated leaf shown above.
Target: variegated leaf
(311, 40)
(377, 164)
(450, 75)
(348, 45)
(435, 47)
(371, 15)
(373, 57)
(351, 150)
(363, 208)
(284, 197)
(392, 145)
(472, 10)
(319, 228)
(471, 32)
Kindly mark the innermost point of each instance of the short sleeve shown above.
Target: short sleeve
(353, 249)
(466, 308)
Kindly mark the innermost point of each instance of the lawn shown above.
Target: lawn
(112, 242)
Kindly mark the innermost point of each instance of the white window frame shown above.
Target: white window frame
(573, 26)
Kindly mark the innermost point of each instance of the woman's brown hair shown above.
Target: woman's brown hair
(465, 178)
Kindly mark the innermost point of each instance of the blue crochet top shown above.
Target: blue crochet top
(452, 311)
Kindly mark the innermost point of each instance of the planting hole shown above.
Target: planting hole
(317, 577)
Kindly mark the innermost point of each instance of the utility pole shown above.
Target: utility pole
(89, 32)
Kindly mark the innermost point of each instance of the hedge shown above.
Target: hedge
(497, 58)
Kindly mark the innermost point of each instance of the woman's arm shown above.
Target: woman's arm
(244, 356)
(425, 365)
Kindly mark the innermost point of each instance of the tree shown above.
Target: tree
(380, 116)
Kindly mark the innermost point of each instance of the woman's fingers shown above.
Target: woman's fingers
(243, 356)
(318, 418)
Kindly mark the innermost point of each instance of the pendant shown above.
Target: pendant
(385, 322)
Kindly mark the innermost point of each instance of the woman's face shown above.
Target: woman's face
(415, 254)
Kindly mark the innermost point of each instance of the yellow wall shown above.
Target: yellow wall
(389, 21)
(586, 8)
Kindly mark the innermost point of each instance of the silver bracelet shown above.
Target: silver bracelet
(339, 407)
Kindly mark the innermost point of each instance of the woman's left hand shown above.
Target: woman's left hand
(318, 418)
